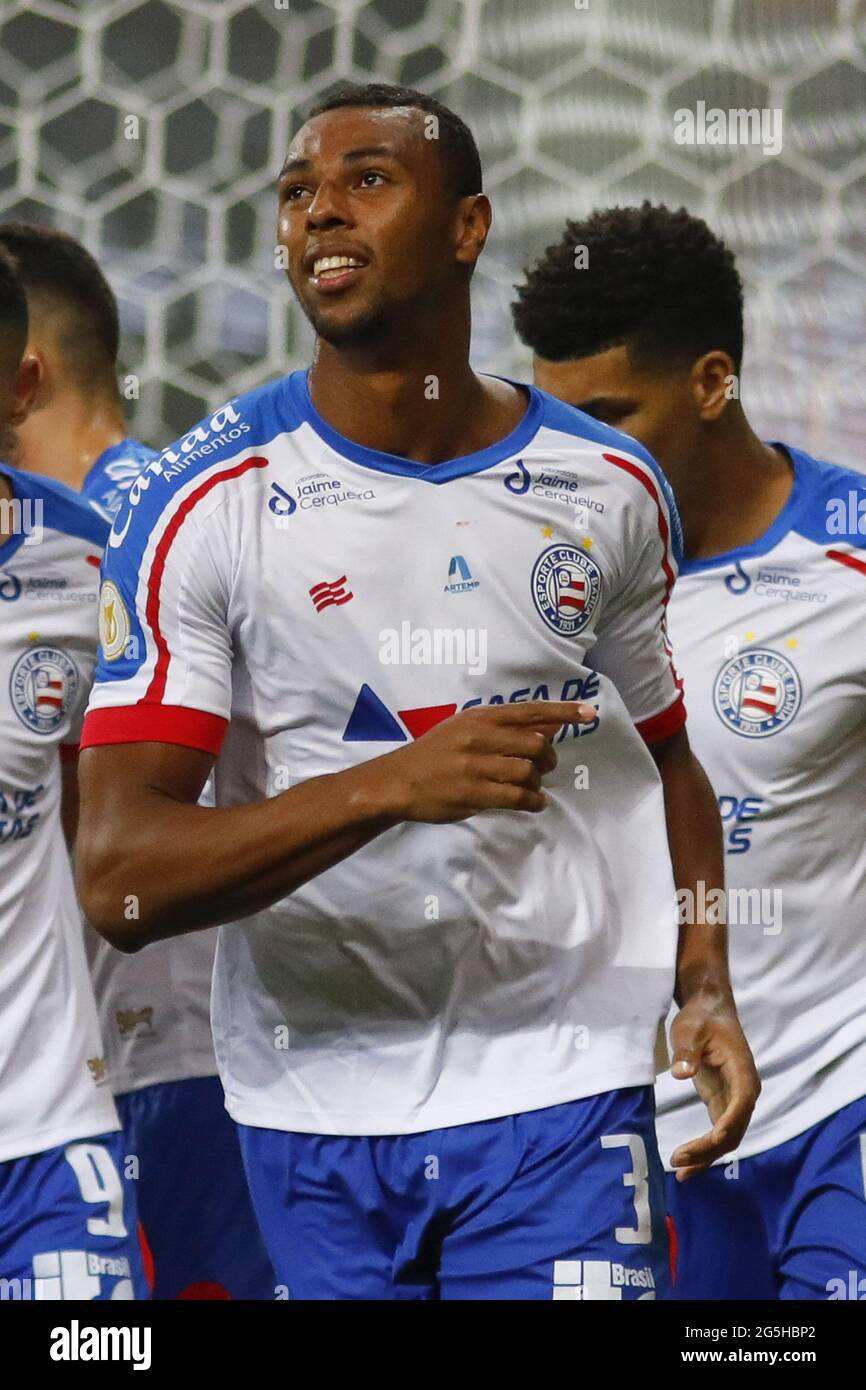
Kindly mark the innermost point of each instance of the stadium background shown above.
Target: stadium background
(572, 104)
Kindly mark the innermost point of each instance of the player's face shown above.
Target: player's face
(657, 408)
(363, 220)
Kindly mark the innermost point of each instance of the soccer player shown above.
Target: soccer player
(765, 617)
(155, 1009)
(68, 1227)
(439, 835)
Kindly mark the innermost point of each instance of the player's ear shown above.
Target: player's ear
(473, 225)
(714, 382)
(28, 379)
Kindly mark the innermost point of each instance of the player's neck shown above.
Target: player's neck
(734, 492)
(423, 405)
(64, 438)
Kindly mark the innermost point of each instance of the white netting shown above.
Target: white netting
(572, 106)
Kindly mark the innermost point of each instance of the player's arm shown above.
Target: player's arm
(707, 1041)
(69, 802)
(153, 864)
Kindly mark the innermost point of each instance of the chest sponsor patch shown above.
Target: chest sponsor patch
(757, 693)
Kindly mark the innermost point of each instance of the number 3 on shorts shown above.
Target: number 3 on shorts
(636, 1178)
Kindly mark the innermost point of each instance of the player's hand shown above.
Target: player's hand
(709, 1047)
(490, 758)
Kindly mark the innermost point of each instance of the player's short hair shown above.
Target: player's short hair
(13, 311)
(461, 162)
(58, 273)
(653, 280)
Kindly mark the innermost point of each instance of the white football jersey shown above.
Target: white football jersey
(154, 1007)
(770, 644)
(53, 1079)
(303, 604)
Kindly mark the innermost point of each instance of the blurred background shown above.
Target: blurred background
(154, 133)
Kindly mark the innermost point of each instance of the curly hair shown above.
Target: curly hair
(654, 280)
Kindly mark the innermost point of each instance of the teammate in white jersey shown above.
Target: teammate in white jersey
(155, 1009)
(68, 1227)
(765, 616)
(387, 594)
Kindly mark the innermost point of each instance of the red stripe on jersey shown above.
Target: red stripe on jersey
(664, 529)
(660, 726)
(845, 559)
(156, 689)
(141, 723)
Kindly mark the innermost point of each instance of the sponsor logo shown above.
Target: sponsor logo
(566, 587)
(315, 492)
(785, 585)
(518, 482)
(465, 584)
(10, 587)
(372, 722)
(280, 502)
(78, 1274)
(758, 693)
(737, 813)
(553, 487)
(42, 686)
(584, 1281)
(332, 594)
(738, 582)
(225, 427)
(574, 688)
(98, 1069)
(138, 1022)
(16, 806)
(114, 623)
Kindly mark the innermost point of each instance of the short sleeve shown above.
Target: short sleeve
(632, 648)
(164, 667)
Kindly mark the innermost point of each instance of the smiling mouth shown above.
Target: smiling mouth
(334, 272)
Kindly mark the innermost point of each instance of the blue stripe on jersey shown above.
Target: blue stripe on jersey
(62, 510)
(808, 511)
(834, 507)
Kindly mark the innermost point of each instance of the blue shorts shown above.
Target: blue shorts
(68, 1224)
(561, 1203)
(193, 1197)
(790, 1224)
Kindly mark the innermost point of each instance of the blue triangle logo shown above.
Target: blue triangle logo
(371, 721)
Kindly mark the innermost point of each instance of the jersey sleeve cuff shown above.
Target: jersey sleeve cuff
(663, 725)
(191, 728)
